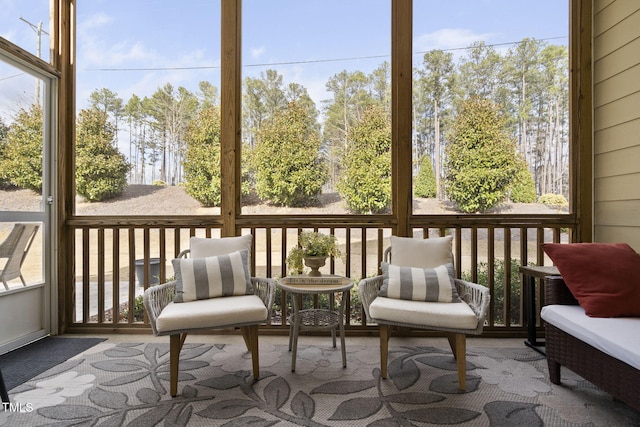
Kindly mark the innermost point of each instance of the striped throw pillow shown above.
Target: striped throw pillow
(419, 284)
(212, 277)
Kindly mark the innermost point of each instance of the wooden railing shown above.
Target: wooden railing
(108, 249)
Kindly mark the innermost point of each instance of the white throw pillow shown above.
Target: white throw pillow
(419, 284)
(202, 247)
(422, 253)
(212, 277)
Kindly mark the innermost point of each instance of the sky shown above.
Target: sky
(138, 46)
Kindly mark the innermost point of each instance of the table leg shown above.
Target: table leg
(532, 340)
(294, 330)
(341, 323)
(3, 390)
(332, 307)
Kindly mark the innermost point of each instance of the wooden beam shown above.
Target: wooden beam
(64, 59)
(231, 113)
(401, 114)
(580, 111)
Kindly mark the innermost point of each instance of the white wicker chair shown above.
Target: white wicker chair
(201, 315)
(14, 248)
(475, 296)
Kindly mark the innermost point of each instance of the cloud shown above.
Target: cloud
(449, 38)
(257, 52)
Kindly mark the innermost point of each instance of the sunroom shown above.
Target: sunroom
(94, 255)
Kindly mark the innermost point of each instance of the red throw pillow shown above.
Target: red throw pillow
(603, 277)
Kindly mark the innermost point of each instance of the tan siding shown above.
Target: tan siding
(617, 36)
(608, 17)
(617, 87)
(615, 138)
(630, 235)
(615, 163)
(623, 187)
(616, 121)
(622, 111)
(600, 5)
(616, 62)
(619, 213)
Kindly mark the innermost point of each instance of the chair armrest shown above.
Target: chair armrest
(156, 299)
(266, 290)
(557, 292)
(477, 297)
(368, 290)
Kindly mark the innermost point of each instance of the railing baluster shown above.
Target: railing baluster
(96, 243)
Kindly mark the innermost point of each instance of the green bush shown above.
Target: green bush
(426, 179)
(21, 151)
(550, 199)
(159, 183)
(138, 310)
(202, 157)
(481, 158)
(523, 188)
(498, 291)
(101, 170)
(289, 169)
(365, 184)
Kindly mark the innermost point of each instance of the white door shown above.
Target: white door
(27, 150)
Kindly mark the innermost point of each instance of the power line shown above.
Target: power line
(311, 61)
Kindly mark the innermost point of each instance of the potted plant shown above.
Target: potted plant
(313, 248)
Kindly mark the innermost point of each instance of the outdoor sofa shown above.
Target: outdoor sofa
(603, 350)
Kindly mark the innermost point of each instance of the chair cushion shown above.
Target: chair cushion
(423, 253)
(457, 315)
(212, 277)
(211, 314)
(603, 277)
(419, 284)
(202, 247)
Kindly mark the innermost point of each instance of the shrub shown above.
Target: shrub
(550, 199)
(21, 151)
(481, 158)
(426, 179)
(365, 184)
(101, 170)
(289, 169)
(202, 157)
(498, 291)
(159, 183)
(523, 188)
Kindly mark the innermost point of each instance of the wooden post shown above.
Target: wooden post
(231, 113)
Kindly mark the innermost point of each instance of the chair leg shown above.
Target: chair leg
(460, 354)
(384, 349)
(175, 346)
(250, 334)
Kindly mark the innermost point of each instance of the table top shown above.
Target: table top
(539, 271)
(302, 284)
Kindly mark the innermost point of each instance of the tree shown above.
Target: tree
(425, 181)
(263, 98)
(202, 157)
(208, 95)
(479, 74)
(435, 84)
(481, 158)
(3, 133)
(171, 110)
(523, 188)
(350, 97)
(21, 153)
(365, 184)
(286, 158)
(101, 170)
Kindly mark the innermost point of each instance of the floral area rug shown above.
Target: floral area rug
(127, 384)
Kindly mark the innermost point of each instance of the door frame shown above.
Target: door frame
(46, 290)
